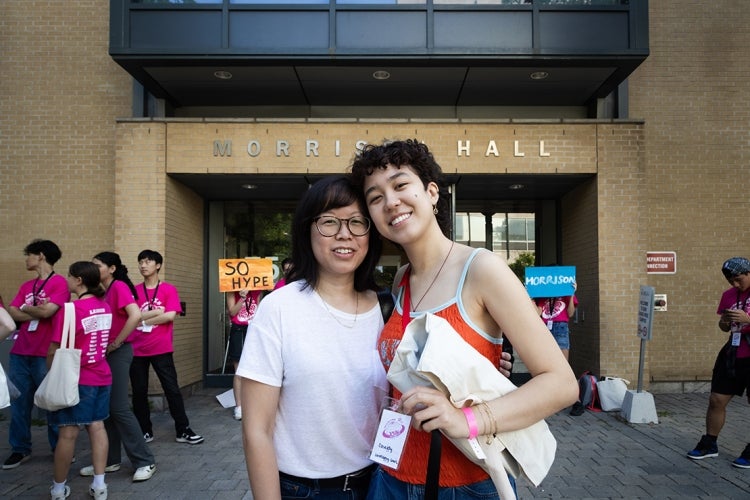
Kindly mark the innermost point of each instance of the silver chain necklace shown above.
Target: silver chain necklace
(345, 325)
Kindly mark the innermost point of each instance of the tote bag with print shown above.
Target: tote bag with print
(59, 389)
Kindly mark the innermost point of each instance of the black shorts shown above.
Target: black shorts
(723, 382)
(236, 341)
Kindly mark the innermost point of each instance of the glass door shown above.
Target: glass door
(239, 229)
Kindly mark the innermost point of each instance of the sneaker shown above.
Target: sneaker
(706, 448)
(88, 471)
(148, 437)
(15, 459)
(190, 437)
(743, 461)
(59, 496)
(98, 493)
(238, 413)
(144, 473)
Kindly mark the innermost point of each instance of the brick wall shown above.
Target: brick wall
(694, 92)
(60, 91)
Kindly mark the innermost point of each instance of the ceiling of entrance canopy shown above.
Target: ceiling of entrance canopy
(473, 192)
(356, 86)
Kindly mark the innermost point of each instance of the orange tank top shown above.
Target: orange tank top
(455, 469)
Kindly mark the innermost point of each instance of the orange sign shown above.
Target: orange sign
(245, 274)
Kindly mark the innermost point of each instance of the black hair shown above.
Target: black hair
(50, 250)
(335, 191)
(90, 277)
(121, 271)
(151, 255)
(408, 153)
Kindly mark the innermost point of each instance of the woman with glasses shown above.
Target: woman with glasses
(310, 371)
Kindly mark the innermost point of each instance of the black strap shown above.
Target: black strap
(385, 297)
(433, 467)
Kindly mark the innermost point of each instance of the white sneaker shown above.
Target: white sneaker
(238, 413)
(88, 471)
(98, 493)
(60, 496)
(144, 473)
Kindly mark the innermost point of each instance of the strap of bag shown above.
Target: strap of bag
(436, 438)
(433, 466)
(68, 340)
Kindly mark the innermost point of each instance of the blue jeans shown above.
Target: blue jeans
(386, 487)
(292, 490)
(26, 372)
(163, 365)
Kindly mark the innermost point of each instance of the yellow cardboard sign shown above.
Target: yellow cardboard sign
(245, 274)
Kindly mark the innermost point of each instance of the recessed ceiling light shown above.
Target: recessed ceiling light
(539, 75)
(223, 75)
(381, 74)
(516, 187)
(249, 186)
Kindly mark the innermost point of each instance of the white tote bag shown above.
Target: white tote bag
(4, 390)
(59, 389)
(612, 392)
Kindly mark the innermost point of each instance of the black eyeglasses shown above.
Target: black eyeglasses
(329, 226)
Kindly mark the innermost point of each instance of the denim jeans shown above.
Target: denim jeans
(292, 490)
(122, 426)
(386, 487)
(163, 365)
(26, 372)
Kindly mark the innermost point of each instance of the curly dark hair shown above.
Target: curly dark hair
(409, 153)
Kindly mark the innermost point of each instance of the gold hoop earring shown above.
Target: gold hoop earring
(434, 209)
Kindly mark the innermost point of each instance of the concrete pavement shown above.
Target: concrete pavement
(599, 456)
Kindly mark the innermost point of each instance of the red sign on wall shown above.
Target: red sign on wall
(661, 262)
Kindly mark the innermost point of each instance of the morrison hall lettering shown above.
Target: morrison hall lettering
(312, 147)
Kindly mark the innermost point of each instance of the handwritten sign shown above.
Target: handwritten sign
(245, 274)
(550, 281)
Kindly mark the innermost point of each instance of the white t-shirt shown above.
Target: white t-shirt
(332, 382)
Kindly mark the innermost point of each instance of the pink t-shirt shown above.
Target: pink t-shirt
(119, 297)
(247, 311)
(39, 291)
(555, 308)
(734, 299)
(93, 323)
(159, 339)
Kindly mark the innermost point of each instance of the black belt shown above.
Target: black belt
(347, 482)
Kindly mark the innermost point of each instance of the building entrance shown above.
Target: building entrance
(261, 228)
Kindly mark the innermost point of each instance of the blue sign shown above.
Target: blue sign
(550, 281)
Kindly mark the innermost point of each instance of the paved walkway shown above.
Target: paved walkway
(599, 456)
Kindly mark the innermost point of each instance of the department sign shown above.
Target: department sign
(661, 262)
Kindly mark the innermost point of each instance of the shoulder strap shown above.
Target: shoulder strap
(68, 339)
(385, 297)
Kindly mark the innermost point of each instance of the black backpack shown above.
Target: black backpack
(588, 395)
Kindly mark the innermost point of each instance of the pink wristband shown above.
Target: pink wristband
(472, 421)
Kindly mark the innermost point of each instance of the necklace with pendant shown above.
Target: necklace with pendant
(416, 306)
(336, 318)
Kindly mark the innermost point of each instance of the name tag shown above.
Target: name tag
(390, 438)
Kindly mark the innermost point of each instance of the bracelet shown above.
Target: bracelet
(472, 421)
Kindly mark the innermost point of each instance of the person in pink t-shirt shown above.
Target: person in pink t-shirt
(123, 430)
(241, 307)
(33, 307)
(731, 372)
(556, 313)
(152, 347)
(93, 321)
